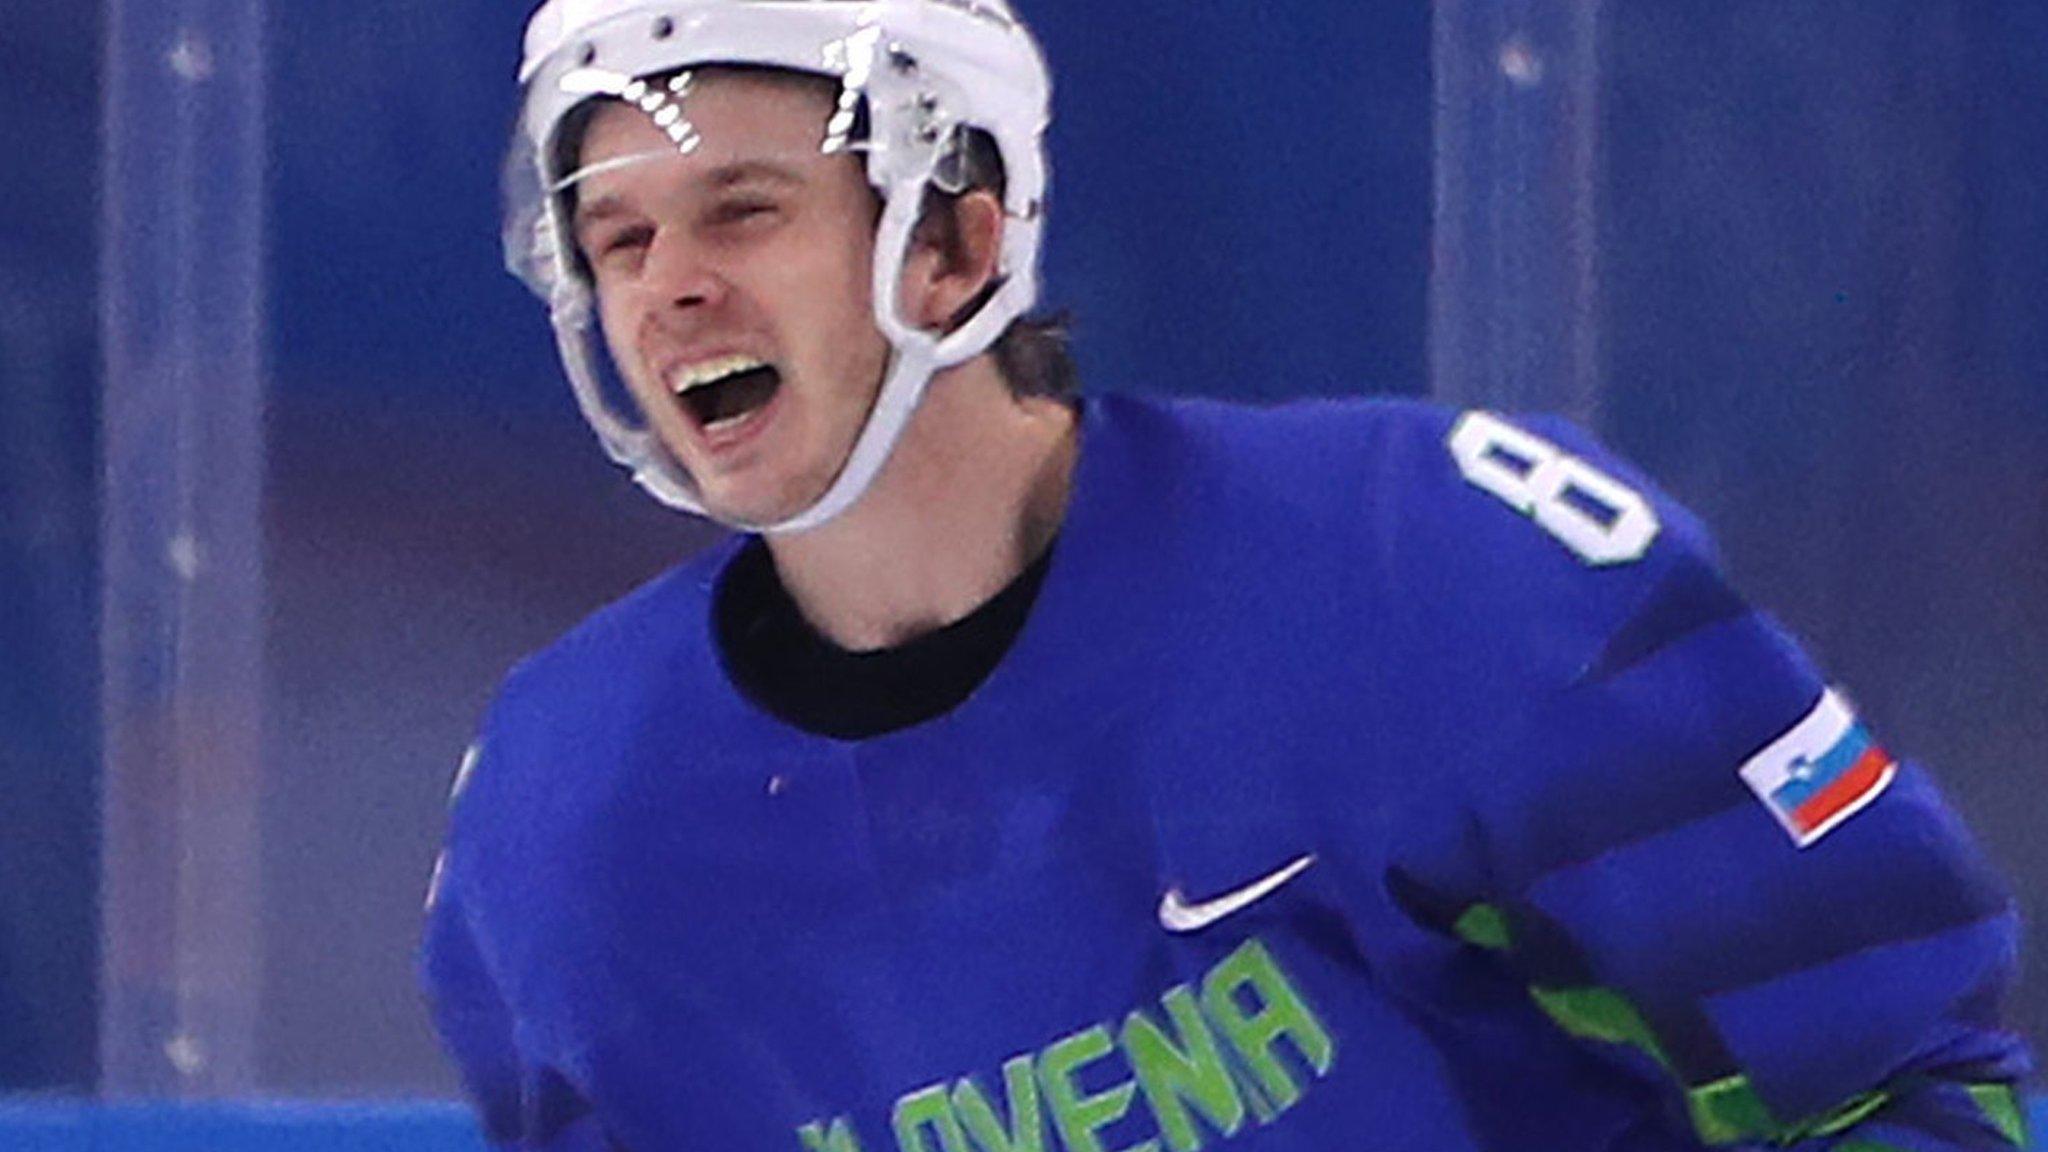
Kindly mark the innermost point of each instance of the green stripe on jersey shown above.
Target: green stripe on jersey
(2001, 1105)
(1726, 1111)
(1599, 1014)
(1484, 925)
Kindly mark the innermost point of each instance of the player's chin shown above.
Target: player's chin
(755, 497)
(770, 479)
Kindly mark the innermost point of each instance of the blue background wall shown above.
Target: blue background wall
(1822, 310)
(49, 584)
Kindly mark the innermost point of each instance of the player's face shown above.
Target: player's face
(733, 283)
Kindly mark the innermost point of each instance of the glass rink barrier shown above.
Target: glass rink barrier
(290, 475)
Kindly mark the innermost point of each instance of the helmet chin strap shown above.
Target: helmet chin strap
(915, 357)
(910, 369)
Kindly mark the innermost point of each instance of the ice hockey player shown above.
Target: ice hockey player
(1056, 772)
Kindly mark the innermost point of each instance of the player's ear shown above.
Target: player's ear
(953, 259)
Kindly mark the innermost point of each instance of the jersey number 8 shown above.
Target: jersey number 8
(1599, 518)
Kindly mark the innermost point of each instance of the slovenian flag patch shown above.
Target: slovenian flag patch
(1821, 772)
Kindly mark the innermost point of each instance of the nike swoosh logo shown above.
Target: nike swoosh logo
(1177, 915)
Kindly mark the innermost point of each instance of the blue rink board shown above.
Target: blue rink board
(283, 1127)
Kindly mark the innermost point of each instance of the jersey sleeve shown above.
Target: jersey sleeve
(1704, 866)
(520, 1104)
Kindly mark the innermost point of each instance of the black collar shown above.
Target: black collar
(794, 672)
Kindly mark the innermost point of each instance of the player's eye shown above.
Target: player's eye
(743, 211)
(631, 238)
(617, 248)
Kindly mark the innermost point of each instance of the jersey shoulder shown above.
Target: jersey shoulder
(1276, 471)
(600, 659)
(1442, 474)
(1520, 522)
(1502, 548)
(1323, 444)
(1524, 485)
(1488, 561)
(1527, 534)
(564, 713)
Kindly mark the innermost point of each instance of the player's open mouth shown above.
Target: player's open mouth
(722, 395)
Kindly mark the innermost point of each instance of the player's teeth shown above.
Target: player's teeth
(694, 375)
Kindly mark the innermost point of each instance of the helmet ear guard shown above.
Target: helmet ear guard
(925, 72)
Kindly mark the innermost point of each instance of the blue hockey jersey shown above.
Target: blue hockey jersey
(1364, 777)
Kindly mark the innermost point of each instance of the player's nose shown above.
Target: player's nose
(681, 273)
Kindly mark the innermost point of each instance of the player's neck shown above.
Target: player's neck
(972, 494)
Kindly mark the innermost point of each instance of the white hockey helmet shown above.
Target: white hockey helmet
(924, 72)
